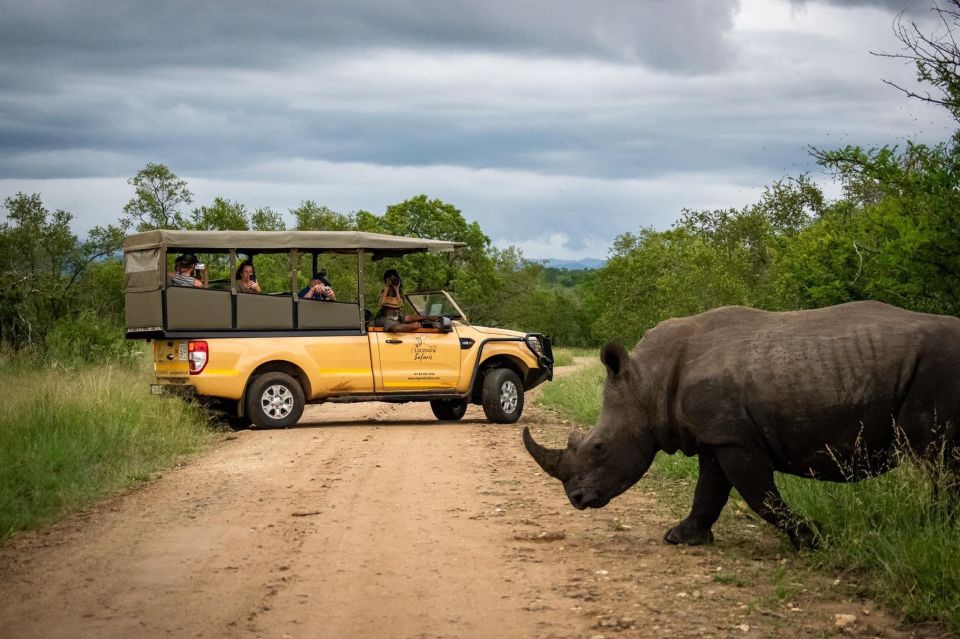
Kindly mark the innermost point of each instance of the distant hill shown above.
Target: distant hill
(579, 265)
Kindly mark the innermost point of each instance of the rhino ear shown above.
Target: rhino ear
(615, 357)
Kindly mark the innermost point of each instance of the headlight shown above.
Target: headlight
(534, 343)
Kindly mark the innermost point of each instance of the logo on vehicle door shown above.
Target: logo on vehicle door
(423, 352)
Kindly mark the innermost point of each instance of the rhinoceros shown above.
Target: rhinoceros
(825, 394)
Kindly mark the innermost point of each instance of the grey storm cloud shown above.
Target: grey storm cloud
(678, 36)
(535, 117)
(120, 76)
(908, 7)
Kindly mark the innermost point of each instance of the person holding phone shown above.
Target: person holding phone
(184, 269)
(247, 278)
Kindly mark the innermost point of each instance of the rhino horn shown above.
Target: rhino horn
(548, 458)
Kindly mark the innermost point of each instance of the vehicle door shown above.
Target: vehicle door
(421, 361)
(341, 365)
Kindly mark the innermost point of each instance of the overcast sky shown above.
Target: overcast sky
(556, 124)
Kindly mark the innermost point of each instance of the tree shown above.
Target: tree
(311, 217)
(469, 270)
(42, 268)
(266, 219)
(936, 57)
(652, 276)
(159, 193)
(222, 215)
(894, 237)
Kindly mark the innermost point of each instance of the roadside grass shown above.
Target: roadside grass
(888, 530)
(576, 396)
(563, 356)
(892, 529)
(71, 436)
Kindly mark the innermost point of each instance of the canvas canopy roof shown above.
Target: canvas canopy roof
(284, 241)
(144, 269)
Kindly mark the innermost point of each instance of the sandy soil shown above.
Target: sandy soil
(375, 520)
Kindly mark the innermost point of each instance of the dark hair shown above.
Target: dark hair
(322, 276)
(391, 272)
(187, 259)
(243, 265)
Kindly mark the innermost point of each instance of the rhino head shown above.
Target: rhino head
(598, 465)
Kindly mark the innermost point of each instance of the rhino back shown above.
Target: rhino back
(796, 383)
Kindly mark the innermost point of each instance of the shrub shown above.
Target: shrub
(84, 339)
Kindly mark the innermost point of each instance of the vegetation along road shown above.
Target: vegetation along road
(375, 520)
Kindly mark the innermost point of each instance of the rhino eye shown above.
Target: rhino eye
(599, 447)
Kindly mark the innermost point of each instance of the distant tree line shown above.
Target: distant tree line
(61, 295)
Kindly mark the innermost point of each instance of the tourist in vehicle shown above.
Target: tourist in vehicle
(390, 316)
(247, 278)
(185, 269)
(319, 289)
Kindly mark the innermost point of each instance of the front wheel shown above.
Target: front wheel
(502, 396)
(449, 410)
(274, 400)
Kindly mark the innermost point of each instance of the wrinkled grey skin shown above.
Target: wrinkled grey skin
(822, 394)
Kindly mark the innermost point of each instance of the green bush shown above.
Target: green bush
(84, 339)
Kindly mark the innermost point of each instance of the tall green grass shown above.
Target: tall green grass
(563, 356)
(71, 436)
(890, 528)
(577, 396)
(887, 528)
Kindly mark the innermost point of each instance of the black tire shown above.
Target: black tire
(274, 400)
(502, 396)
(449, 410)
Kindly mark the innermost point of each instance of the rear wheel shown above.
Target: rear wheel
(274, 400)
(449, 410)
(502, 396)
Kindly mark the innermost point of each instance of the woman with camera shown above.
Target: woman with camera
(391, 302)
(184, 268)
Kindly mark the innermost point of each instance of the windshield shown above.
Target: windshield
(435, 303)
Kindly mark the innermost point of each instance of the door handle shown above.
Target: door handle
(394, 341)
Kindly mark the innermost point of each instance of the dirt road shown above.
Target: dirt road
(375, 520)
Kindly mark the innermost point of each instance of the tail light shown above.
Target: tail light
(197, 356)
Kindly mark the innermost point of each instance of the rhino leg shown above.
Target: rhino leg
(751, 473)
(709, 498)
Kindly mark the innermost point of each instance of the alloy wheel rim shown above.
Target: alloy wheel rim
(508, 397)
(276, 401)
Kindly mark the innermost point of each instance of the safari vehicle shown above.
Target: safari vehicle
(262, 357)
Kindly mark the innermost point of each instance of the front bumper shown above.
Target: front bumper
(545, 358)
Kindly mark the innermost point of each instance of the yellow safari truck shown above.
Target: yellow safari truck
(261, 356)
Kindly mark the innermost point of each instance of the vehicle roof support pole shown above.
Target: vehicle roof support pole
(294, 258)
(313, 264)
(360, 260)
(232, 270)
